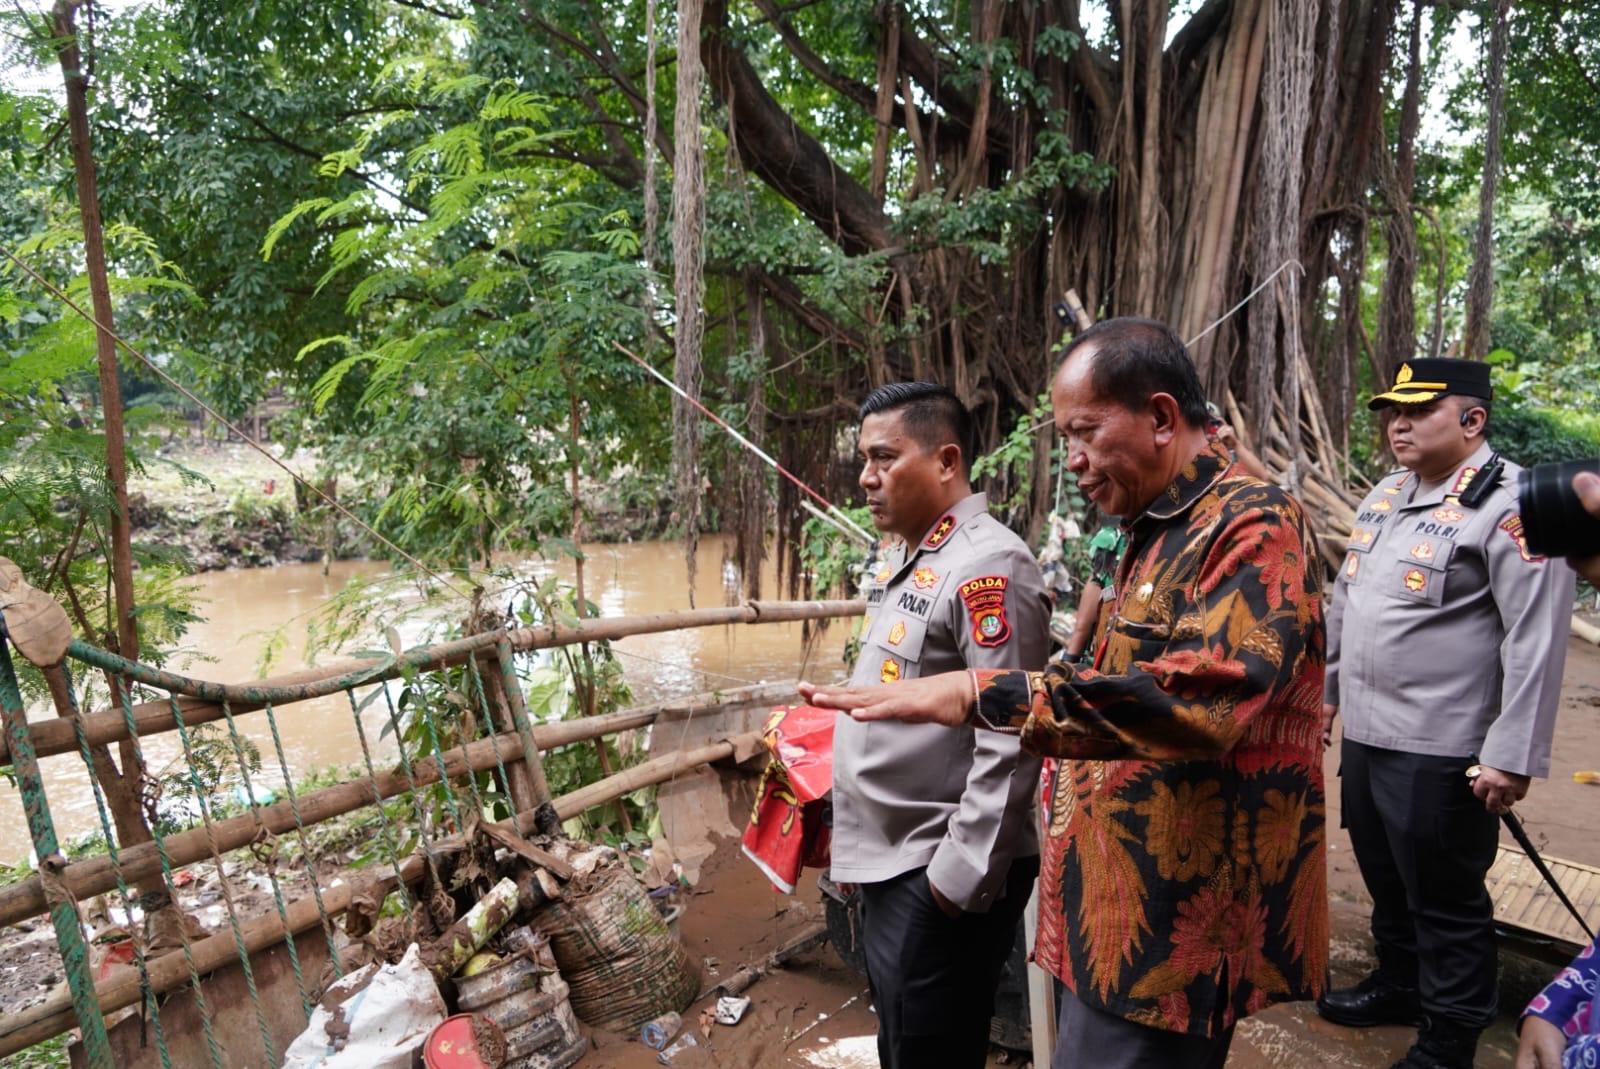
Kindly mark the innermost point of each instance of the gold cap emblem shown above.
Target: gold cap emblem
(1404, 375)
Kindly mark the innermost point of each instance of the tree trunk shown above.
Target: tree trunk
(123, 790)
(1480, 282)
(688, 227)
(1005, 160)
(1397, 331)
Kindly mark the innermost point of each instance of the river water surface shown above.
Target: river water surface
(245, 608)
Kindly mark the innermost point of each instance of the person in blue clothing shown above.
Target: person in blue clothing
(1561, 1026)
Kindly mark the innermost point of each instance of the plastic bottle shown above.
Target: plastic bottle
(657, 1033)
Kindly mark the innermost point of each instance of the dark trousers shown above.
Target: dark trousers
(1087, 1036)
(1425, 843)
(933, 978)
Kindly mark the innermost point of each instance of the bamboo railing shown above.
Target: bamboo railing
(511, 748)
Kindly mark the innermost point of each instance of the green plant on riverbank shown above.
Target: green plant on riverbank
(575, 682)
(50, 1054)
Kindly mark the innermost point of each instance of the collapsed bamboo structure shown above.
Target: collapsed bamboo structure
(513, 745)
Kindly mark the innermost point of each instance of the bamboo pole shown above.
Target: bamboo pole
(658, 770)
(519, 777)
(55, 1015)
(201, 701)
(97, 875)
(511, 687)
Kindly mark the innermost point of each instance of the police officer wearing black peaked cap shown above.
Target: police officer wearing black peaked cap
(1446, 642)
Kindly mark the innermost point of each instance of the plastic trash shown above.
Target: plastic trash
(389, 1011)
(658, 1032)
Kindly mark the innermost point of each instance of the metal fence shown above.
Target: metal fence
(459, 772)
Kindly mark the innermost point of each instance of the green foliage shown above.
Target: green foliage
(574, 682)
(200, 780)
(477, 321)
(838, 565)
(834, 559)
(50, 1054)
(1537, 436)
(1011, 464)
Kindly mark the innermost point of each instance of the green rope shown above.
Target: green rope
(64, 915)
(151, 1008)
(222, 881)
(300, 833)
(125, 691)
(494, 730)
(385, 834)
(271, 864)
(438, 757)
(411, 789)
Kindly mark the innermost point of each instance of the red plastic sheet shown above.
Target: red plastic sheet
(786, 832)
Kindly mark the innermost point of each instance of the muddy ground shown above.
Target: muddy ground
(735, 917)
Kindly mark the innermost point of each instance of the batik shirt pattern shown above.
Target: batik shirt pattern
(1184, 848)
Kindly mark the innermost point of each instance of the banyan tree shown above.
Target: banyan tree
(976, 161)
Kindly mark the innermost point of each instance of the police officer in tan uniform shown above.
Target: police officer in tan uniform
(1446, 641)
(936, 826)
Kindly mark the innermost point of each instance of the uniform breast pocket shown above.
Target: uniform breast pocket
(1419, 570)
(1356, 558)
(898, 646)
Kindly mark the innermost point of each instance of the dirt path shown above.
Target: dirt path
(735, 917)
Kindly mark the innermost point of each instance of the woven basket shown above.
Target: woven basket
(621, 963)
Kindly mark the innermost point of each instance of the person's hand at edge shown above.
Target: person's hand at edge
(947, 907)
(1330, 713)
(1541, 1046)
(1498, 790)
(1586, 484)
(939, 699)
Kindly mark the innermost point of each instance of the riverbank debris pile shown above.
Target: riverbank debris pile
(513, 942)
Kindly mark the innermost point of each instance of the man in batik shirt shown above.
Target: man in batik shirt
(1184, 883)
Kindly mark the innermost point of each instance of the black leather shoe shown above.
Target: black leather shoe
(1441, 1045)
(1373, 1001)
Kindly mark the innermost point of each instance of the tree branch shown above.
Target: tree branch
(855, 91)
(923, 64)
(788, 294)
(302, 150)
(786, 157)
(418, 5)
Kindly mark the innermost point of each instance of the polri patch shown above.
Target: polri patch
(941, 531)
(890, 671)
(985, 598)
(1513, 527)
(925, 578)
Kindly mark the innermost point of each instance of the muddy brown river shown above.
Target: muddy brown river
(245, 608)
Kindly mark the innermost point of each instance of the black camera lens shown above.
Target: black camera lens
(1554, 521)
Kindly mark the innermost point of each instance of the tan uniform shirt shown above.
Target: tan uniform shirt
(969, 595)
(1445, 635)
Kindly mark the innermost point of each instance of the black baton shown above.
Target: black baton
(1520, 834)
